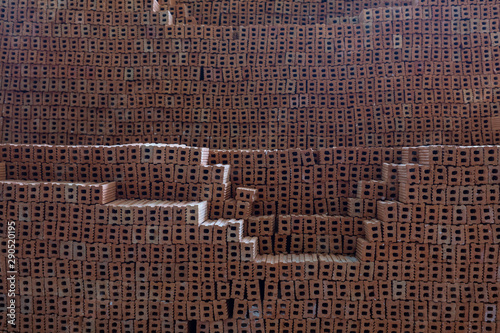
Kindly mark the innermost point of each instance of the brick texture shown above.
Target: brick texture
(271, 166)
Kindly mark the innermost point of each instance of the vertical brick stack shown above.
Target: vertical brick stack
(250, 75)
(435, 249)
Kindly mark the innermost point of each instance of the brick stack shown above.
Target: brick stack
(305, 233)
(289, 181)
(435, 249)
(139, 171)
(99, 264)
(250, 75)
(427, 260)
(227, 13)
(296, 182)
(223, 166)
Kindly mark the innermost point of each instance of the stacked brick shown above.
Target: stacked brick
(282, 182)
(117, 265)
(305, 233)
(422, 263)
(307, 182)
(394, 73)
(126, 224)
(227, 13)
(139, 171)
(438, 242)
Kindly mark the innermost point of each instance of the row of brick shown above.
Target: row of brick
(296, 26)
(41, 322)
(217, 209)
(480, 174)
(29, 322)
(244, 309)
(317, 224)
(206, 9)
(276, 118)
(266, 83)
(343, 67)
(388, 251)
(389, 139)
(144, 153)
(307, 243)
(139, 212)
(449, 195)
(131, 153)
(321, 290)
(152, 190)
(297, 138)
(292, 66)
(282, 269)
(211, 232)
(123, 172)
(424, 233)
(270, 86)
(392, 35)
(254, 101)
(392, 211)
(139, 309)
(397, 129)
(31, 192)
(176, 255)
(282, 13)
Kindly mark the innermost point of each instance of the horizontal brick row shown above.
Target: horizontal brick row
(126, 212)
(154, 291)
(397, 139)
(40, 322)
(210, 233)
(219, 252)
(142, 172)
(140, 153)
(424, 233)
(295, 53)
(31, 192)
(208, 311)
(276, 270)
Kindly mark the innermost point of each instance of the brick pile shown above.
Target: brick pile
(227, 13)
(421, 258)
(139, 171)
(295, 181)
(120, 265)
(376, 73)
(222, 166)
(288, 181)
(435, 250)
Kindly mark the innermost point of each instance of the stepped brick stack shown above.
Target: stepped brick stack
(199, 166)
(415, 250)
